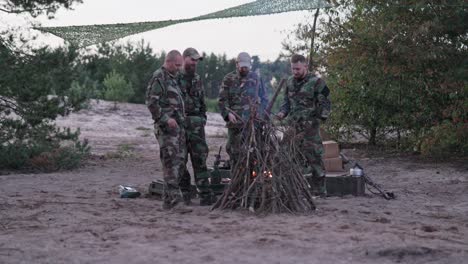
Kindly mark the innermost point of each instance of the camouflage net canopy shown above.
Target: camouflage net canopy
(89, 35)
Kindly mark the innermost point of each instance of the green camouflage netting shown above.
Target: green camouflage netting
(94, 34)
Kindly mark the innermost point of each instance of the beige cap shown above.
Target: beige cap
(244, 60)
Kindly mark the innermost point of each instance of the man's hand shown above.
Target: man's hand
(232, 118)
(280, 115)
(171, 123)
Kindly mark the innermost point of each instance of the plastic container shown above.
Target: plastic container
(356, 172)
(128, 192)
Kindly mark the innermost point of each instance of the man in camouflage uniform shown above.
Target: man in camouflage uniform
(239, 91)
(195, 121)
(165, 102)
(306, 104)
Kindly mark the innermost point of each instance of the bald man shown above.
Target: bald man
(166, 104)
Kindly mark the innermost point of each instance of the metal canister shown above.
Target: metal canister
(356, 172)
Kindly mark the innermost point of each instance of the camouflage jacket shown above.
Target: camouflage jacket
(237, 93)
(193, 94)
(164, 98)
(307, 99)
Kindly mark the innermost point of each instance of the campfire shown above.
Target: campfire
(268, 178)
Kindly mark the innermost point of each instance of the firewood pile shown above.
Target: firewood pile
(267, 177)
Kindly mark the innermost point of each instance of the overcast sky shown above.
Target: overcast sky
(257, 35)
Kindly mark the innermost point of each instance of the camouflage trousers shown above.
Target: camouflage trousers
(309, 147)
(234, 142)
(172, 152)
(198, 151)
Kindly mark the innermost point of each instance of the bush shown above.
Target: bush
(45, 148)
(35, 89)
(80, 94)
(395, 80)
(117, 88)
(211, 105)
(446, 140)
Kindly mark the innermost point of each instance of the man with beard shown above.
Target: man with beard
(240, 91)
(166, 105)
(307, 104)
(195, 121)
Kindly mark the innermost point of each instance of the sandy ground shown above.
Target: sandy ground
(78, 217)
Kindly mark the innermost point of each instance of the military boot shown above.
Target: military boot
(323, 187)
(171, 197)
(205, 193)
(207, 199)
(318, 186)
(187, 197)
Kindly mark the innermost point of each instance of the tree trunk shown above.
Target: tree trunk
(313, 40)
(373, 136)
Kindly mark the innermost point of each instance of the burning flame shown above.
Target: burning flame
(268, 174)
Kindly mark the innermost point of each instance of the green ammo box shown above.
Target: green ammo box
(219, 179)
(342, 184)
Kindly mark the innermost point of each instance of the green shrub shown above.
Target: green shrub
(13, 156)
(211, 105)
(385, 83)
(63, 158)
(117, 88)
(36, 88)
(80, 94)
(445, 140)
(44, 153)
